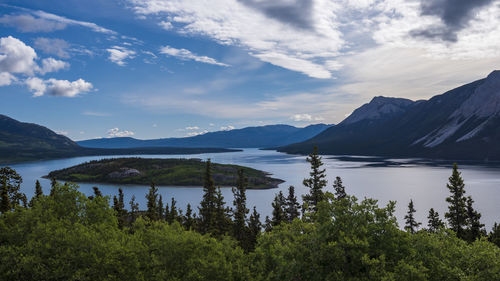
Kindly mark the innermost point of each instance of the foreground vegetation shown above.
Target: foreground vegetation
(332, 236)
(170, 172)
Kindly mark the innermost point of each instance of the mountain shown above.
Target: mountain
(262, 136)
(21, 141)
(463, 123)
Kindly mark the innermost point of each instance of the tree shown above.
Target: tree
(316, 182)
(222, 214)
(457, 208)
(339, 188)
(161, 211)
(152, 203)
(475, 229)
(119, 207)
(292, 205)
(434, 223)
(255, 228)
(10, 185)
(240, 208)
(172, 214)
(188, 218)
(97, 192)
(207, 209)
(494, 236)
(411, 224)
(53, 183)
(134, 208)
(279, 212)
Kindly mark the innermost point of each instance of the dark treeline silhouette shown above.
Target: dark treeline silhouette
(332, 236)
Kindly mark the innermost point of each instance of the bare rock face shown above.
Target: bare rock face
(377, 108)
(124, 173)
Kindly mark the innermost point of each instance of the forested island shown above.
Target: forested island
(166, 172)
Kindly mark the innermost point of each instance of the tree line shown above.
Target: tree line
(66, 235)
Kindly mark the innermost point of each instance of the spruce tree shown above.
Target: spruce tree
(255, 227)
(268, 225)
(119, 207)
(316, 182)
(173, 214)
(457, 208)
(240, 208)
(222, 214)
(152, 203)
(339, 188)
(97, 192)
(161, 213)
(292, 205)
(38, 193)
(207, 209)
(434, 223)
(494, 236)
(188, 218)
(4, 199)
(53, 184)
(10, 186)
(279, 211)
(475, 229)
(411, 223)
(134, 209)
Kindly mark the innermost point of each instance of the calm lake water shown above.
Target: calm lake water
(402, 181)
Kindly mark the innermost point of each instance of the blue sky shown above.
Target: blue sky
(161, 68)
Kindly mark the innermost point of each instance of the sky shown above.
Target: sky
(174, 68)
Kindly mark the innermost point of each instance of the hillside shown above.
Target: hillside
(167, 172)
(463, 123)
(258, 137)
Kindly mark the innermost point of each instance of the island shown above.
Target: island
(166, 172)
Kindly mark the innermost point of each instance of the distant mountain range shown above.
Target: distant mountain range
(21, 141)
(259, 137)
(463, 123)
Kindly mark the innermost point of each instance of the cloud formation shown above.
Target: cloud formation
(58, 88)
(184, 54)
(118, 54)
(17, 57)
(53, 46)
(116, 133)
(304, 117)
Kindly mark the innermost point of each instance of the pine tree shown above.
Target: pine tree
(279, 212)
(152, 203)
(188, 218)
(53, 184)
(172, 214)
(475, 229)
(494, 236)
(97, 192)
(292, 205)
(38, 190)
(119, 207)
(255, 227)
(457, 209)
(339, 188)
(240, 208)
(268, 225)
(222, 217)
(411, 224)
(4, 199)
(134, 209)
(207, 209)
(10, 186)
(435, 223)
(161, 213)
(316, 182)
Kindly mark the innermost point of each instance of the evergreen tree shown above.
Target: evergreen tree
(161, 213)
(172, 214)
(279, 211)
(240, 208)
(475, 229)
(188, 218)
(134, 209)
(119, 207)
(494, 236)
(53, 183)
(152, 203)
(435, 223)
(97, 192)
(457, 208)
(222, 214)
(316, 182)
(10, 185)
(38, 193)
(207, 209)
(339, 188)
(268, 225)
(411, 224)
(254, 227)
(292, 205)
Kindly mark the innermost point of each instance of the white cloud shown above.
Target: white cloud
(28, 23)
(304, 117)
(53, 46)
(115, 132)
(6, 78)
(61, 132)
(192, 134)
(52, 65)
(60, 88)
(16, 57)
(63, 20)
(184, 54)
(119, 54)
(192, 128)
(227, 128)
(95, 113)
(166, 25)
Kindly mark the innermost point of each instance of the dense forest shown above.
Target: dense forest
(66, 235)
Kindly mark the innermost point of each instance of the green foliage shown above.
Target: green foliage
(475, 229)
(435, 223)
(10, 196)
(339, 188)
(240, 230)
(457, 209)
(292, 205)
(316, 182)
(208, 207)
(152, 203)
(279, 209)
(494, 236)
(411, 224)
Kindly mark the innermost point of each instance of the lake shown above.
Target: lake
(401, 181)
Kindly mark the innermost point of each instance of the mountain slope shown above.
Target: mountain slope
(263, 136)
(463, 123)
